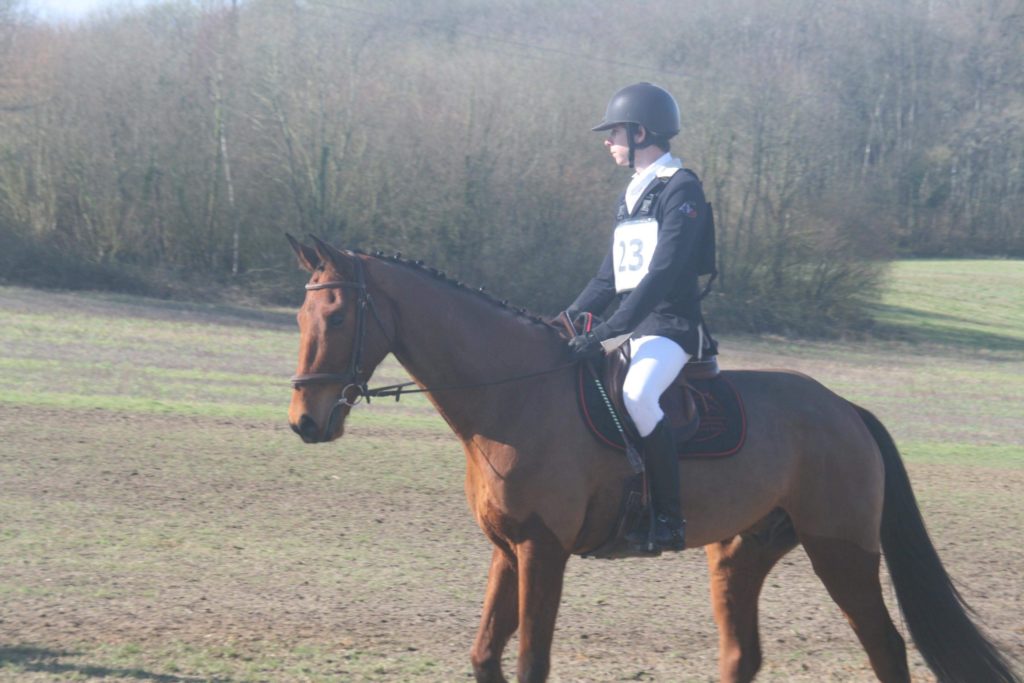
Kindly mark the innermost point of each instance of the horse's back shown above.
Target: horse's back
(806, 451)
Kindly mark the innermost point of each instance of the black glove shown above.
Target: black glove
(585, 346)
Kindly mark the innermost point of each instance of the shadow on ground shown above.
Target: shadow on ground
(915, 325)
(33, 659)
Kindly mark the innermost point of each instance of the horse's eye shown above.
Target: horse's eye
(336, 319)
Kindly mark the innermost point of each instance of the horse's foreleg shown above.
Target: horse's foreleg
(499, 620)
(738, 567)
(541, 571)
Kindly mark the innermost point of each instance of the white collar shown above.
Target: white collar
(664, 166)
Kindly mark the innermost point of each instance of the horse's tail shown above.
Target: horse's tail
(937, 616)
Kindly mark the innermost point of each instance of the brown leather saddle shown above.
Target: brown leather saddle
(679, 401)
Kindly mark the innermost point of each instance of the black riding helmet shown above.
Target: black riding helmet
(642, 104)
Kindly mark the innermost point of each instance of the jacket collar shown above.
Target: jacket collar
(664, 166)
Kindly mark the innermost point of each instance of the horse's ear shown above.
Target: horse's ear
(329, 254)
(308, 257)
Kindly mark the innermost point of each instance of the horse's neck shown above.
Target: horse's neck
(447, 336)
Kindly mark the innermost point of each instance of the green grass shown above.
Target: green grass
(222, 407)
(116, 353)
(971, 304)
(964, 453)
(91, 351)
(183, 661)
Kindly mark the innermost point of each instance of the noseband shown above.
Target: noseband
(350, 379)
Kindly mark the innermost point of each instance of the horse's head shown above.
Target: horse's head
(343, 338)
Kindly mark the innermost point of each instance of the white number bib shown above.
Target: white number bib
(632, 248)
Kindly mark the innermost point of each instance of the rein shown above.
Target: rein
(397, 390)
(350, 378)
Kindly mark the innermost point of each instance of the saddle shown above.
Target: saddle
(678, 401)
(703, 409)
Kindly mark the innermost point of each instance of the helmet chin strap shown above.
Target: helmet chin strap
(631, 131)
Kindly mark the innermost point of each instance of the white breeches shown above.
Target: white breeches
(656, 361)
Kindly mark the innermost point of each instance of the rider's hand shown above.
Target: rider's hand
(585, 346)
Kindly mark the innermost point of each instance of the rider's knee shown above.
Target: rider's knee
(644, 412)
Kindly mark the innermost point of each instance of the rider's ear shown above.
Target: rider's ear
(308, 258)
(328, 254)
(640, 135)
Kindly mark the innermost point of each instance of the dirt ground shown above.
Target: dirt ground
(140, 546)
(195, 544)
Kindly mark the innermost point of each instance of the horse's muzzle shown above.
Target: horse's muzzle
(308, 429)
(313, 432)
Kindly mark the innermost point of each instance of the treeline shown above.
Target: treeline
(171, 145)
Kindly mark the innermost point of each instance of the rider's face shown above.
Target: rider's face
(617, 145)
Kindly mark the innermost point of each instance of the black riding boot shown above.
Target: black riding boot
(663, 471)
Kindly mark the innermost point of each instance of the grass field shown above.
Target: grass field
(160, 522)
(976, 305)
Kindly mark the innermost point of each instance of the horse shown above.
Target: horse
(542, 488)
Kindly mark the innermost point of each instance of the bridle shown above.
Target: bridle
(350, 379)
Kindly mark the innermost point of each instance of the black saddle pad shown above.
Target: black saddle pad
(723, 423)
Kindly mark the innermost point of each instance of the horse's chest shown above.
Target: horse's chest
(494, 516)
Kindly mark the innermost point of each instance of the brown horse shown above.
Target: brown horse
(542, 489)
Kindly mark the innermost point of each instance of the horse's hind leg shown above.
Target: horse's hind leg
(499, 620)
(850, 574)
(738, 568)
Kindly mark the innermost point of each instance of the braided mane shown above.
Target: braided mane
(440, 275)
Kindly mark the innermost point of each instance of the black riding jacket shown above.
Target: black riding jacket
(666, 301)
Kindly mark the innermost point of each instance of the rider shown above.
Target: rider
(651, 270)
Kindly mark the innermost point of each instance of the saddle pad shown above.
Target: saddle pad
(723, 424)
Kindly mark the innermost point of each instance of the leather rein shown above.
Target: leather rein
(350, 378)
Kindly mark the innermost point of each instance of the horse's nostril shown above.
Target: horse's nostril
(307, 428)
(295, 428)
